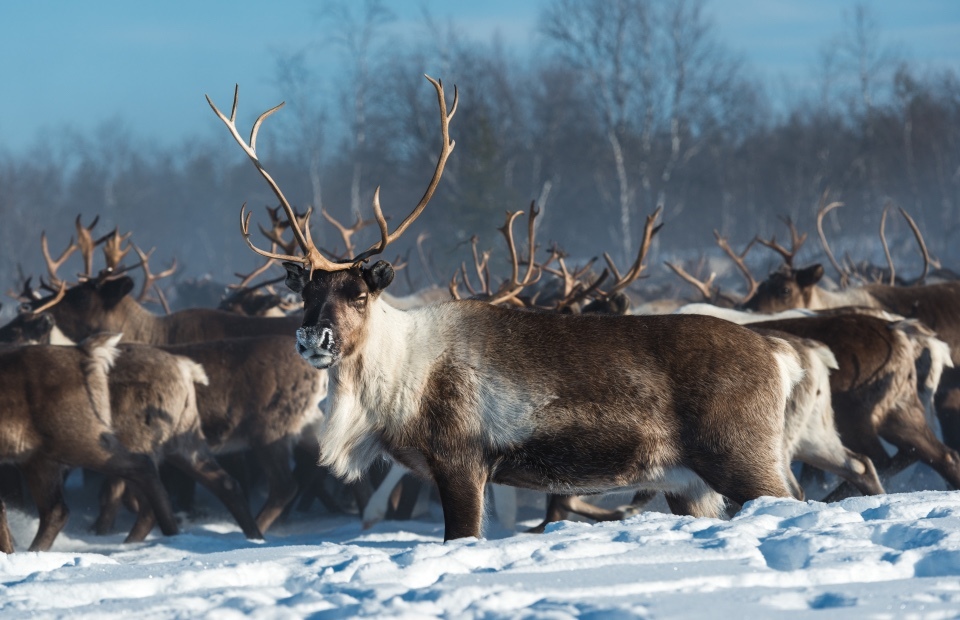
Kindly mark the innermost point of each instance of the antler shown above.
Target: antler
(649, 230)
(509, 289)
(883, 242)
(87, 244)
(113, 250)
(49, 304)
(706, 288)
(447, 148)
(54, 264)
(796, 241)
(347, 233)
(150, 279)
(923, 246)
(245, 280)
(738, 260)
(311, 255)
(821, 213)
(278, 227)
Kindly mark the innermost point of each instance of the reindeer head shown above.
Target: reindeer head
(336, 305)
(785, 289)
(88, 307)
(28, 328)
(339, 295)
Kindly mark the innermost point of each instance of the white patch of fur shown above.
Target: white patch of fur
(57, 337)
(191, 371)
(399, 350)
(102, 352)
(741, 317)
(827, 357)
(789, 364)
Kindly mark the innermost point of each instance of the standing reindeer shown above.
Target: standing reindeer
(54, 413)
(936, 305)
(465, 392)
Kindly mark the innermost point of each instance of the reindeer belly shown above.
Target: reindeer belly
(585, 461)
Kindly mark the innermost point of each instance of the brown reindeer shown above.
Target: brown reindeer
(466, 392)
(56, 413)
(936, 305)
(155, 405)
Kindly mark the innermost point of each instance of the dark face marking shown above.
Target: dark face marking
(335, 307)
(28, 329)
(785, 289)
(90, 307)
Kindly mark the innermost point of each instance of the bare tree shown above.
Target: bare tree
(301, 90)
(609, 42)
(354, 32)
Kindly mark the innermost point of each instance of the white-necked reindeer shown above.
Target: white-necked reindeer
(465, 392)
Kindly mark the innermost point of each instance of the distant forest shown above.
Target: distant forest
(622, 106)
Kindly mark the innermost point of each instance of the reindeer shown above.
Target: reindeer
(935, 305)
(154, 411)
(56, 413)
(260, 395)
(465, 392)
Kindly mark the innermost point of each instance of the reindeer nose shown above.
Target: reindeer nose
(317, 339)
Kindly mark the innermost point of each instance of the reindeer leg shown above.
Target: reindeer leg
(855, 468)
(697, 501)
(45, 480)
(200, 465)
(556, 511)
(111, 495)
(947, 402)
(145, 519)
(461, 495)
(275, 461)
(909, 430)
(6, 540)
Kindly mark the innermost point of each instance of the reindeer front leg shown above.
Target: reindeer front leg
(461, 487)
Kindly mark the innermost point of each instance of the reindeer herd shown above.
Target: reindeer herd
(556, 379)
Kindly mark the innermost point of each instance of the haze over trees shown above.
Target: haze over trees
(619, 107)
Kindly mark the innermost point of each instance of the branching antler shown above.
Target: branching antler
(54, 264)
(87, 244)
(311, 255)
(622, 282)
(246, 279)
(510, 289)
(739, 261)
(113, 250)
(706, 287)
(347, 233)
(796, 242)
(150, 279)
(28, 309)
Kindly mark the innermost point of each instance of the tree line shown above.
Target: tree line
(617, 107)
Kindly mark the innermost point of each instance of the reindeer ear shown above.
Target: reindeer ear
(297, 277)
(379, 276)
(808, 276)
(112, 291)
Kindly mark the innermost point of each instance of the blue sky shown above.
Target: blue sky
(83, 64)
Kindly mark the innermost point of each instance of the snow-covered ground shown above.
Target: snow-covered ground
(895, 556)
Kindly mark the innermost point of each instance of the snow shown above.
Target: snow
(888, 556)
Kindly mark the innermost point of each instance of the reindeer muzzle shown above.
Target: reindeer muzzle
(317, 346)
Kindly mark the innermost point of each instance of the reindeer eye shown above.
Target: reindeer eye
(361, 298)
(784, 292)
